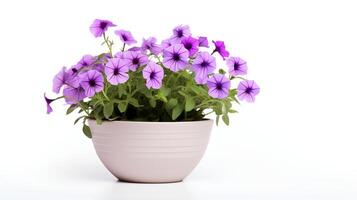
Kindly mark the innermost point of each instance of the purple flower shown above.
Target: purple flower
(191, 44)
(86, 61)
(218, 86)
(180, 32)
(220, 48)
(100, 61)
(134, 59)
(91, 82)
(175, 57)
(116, 71)
(120, 55)
(48, 102)
(134, 49)
(98, 27)
(150, 44)
(153, 74)
(73, 95)
(59, 80)
(201, 79)
(203, 65)
(167, 43)
(203, 42)
(73, 71)
(126, 37)
(247, 90)
(64, 78)
(236, 66)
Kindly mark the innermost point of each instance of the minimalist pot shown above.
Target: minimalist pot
(150, 152)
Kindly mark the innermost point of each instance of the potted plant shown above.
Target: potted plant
(145, 107)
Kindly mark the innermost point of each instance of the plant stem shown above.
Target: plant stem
(108, 45)
(241, 78)
(82, 107)
(105, 95)
(58, 98)
(199, 105)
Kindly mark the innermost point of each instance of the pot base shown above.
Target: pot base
(150, 152)
(147, 182)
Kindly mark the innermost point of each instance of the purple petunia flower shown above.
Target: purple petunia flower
(236, 66)
(59, 80)
(134, 49)
(134, 59)
(203, 42)
(73, 71)
(125, 36)
(48, 102)
(100, 62)
(64, 78)
(116, 71)
(218, 86)
(153, 74)
(120, 55)
(86, 61)
(167, 43)
(73, 95)
(191, 44)
(247, 90)
(91, 82)
(203, 65)
(201, 79)
(220, 48)
(99, 26)
(150, 44)
(181, 32)
(175, 57)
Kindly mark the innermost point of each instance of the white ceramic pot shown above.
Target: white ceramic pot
(150, 152)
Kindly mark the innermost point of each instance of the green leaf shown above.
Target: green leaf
(164, 91)
(182, 93)
(98, 120)
(122, 106)
(221, 71)
(217, 120)
(186, 75)
(225, 119)
(172, 103)
(134, 102)
(121, 90)
(162, 98)
(97, 113)
(195, 89)
(190, 104)
(232, 92)
(86, 130)
(75, 121)
(71, 108)
(152, 102)
(217, 108)
(176, 112)
(108, 110)
(112, 91)
(232, 111)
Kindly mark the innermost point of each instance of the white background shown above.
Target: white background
(298, 141)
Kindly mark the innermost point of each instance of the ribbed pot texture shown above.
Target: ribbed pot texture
(150, 152)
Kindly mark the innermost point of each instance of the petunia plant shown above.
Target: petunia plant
(179, 79)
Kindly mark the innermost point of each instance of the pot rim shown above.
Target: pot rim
(207, 120)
